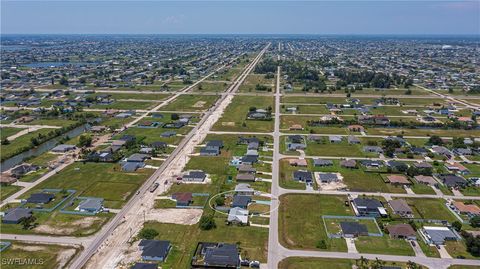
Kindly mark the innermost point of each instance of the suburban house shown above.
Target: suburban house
(372, 149)
(442, 151)
(241, 201)
(452, 180)
(154, 250)
(371, 164)
(23, 169)
(322, 162)
(182, 198)
(91, 205)
(237, 215)
(303, 176)
(427, 180)
(351, 139)
(352, 164)
(194, 176)
(369, 207)
(401, 208)
(422, 165)
(216, 255)
(356, 128)
(248, 177)
(438, 235)
(16, 215)
(63, 148)
(352, 229)
(298, 162)
(168, 134)
(244, 189)
(398, 180)
(401, 231)
(159, 145)
(456, 167)
(335, 139)
(40, 198)
(328, 177)
(470, 210)
(295, 142)
(212, 148)
(7, 179)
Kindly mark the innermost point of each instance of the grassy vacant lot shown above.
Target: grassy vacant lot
(314, 263)
(286, 176)
(383, 245)
(52, 122)
(211, 86)
(8, 190)
(360, 180)
(46, 256)
(236, 113)
(253, 79)
(102, 180)
(286, 121)
(343, 149)
(127, 105)
(306, 109)
(191, 103)
(303, 229)
(138, 96)
(8, 131)
(252, 241)
(458, 248)
(430, 209)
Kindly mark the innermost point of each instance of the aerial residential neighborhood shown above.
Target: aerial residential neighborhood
(133, 148)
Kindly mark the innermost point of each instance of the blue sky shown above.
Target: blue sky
(247, 17)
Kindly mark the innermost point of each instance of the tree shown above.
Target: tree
(475, 222)
(64, 81)
(412, 265)
(220, 200)
(28, 222)
(174, 116)
(207, 223)
(5, 141)
(435, 140)
(322, 244)
(147, 233)
(457, 225)
(85, 141)
(362, 263)
(377, 264)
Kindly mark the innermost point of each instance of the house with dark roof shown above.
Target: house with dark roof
(370, 207)
(40, 198)
(328, 177)
(241, 201)
(452, 180)
(16, 215)
(195, 176)
(372, 149)
(92, 205)
(63, 148)
(372, 164)
(23, 169)
(154, 250)
(216, 255)
(353, 229)
(132, 166)
(168, 134)
(303, 176)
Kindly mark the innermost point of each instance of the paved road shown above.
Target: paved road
(48, 239)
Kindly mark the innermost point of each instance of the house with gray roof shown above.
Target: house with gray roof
(91, 205)
(438, 235)
(154, 250)
(63, 148)
(322, 162)
(16, 215)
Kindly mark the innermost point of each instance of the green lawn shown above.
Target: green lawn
(236, 113)
(303, 229)
(191, 103)
(430, 209)
(21, 142)
(9, 131)
(6, 191)
(127, 105)
(383, 245)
